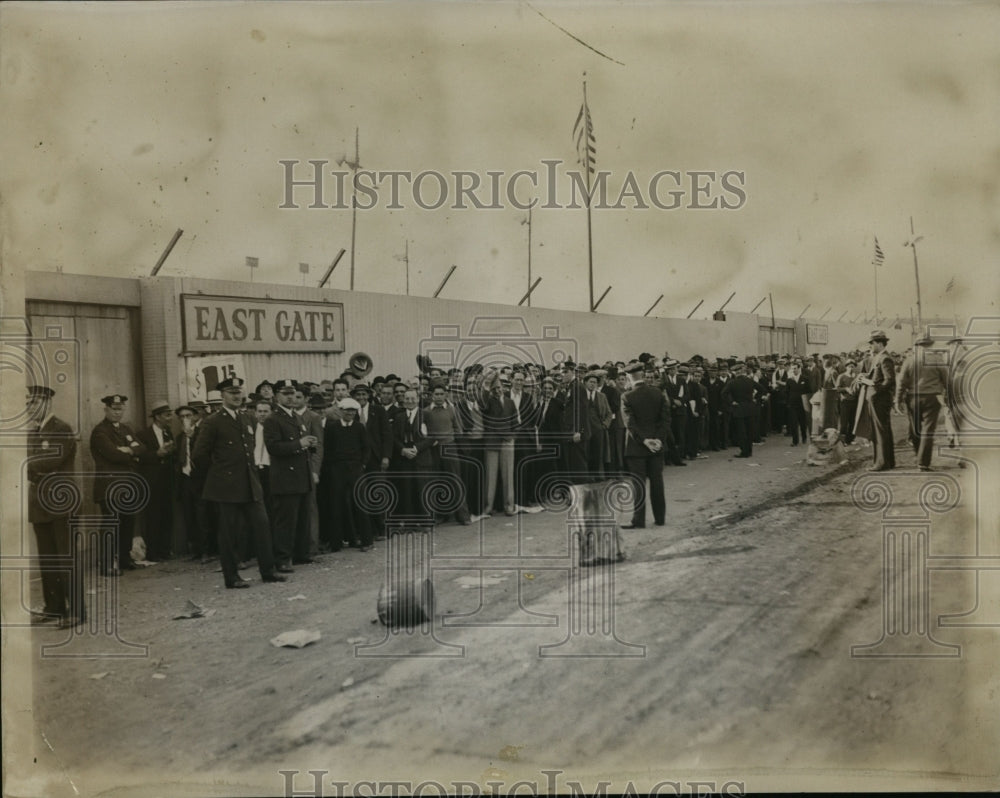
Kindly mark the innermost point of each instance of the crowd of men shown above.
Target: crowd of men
(273, 475)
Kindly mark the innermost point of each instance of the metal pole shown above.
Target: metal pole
(825, 312)
(856, 318)
(354, 202)
(527, 296)
(657, 302)
(912, 243)
(771, 300)
(602, 297)
(530, 286)
(842, 315)
(586, 166)
(727, 301)
(333, 266)
(804, 310)
(689, 315)
(167, 251)
(451, 271)
(759, 304)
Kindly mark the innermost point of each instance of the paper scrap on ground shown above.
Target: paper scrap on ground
(717, 517)
(476, 581)
(295, 639)
(192, 610)
(159, 676)
(100, 675)
(299, 597)
(354, 640)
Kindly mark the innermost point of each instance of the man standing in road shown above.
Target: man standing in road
(157, 464)
(739, 394)
(51, 448)
(881, 382)
(918, 388)
(647, 418)
(223, 451)
(290, 443)
(115, 449)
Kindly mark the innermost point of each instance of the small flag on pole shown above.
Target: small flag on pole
(252, 262)
(583, 133)
(304, 268)
(951, 284)
(879, 255)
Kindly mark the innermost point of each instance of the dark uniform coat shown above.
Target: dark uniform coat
(223, 451)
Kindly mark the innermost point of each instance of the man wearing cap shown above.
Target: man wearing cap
(115, 450)
(740, 394)
(779, 396)
(918, 390)
(574, 425)
(647, 418)
(345, 449)
(695, 402)
(290, 445)
(224, 451)
(673, 385)
(156, 464)
(198, 514)
(881, 382)
(51, 449)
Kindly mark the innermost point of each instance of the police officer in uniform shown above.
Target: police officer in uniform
(115, 450)
(224, 450)
(51, 448)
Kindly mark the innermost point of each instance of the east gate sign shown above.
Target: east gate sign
(239, 324)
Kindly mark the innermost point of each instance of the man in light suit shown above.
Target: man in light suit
(223, 451)
(647, 418)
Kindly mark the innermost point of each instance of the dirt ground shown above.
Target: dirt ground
(725, 655)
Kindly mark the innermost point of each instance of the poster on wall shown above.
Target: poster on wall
(204, 373)
(817, 334)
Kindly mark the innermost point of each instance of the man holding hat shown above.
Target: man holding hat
(51, 449)
(115, 450)
(574, 425)
(156, 464)
(647, 418)
(881, 382)
(918, 388)
(224, 451)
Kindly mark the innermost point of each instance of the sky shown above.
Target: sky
(125, 122)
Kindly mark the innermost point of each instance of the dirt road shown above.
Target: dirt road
(730, 658)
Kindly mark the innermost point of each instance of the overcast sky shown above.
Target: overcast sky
(122, 123)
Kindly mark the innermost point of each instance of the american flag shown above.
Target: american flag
(879, 255)
(583, 132)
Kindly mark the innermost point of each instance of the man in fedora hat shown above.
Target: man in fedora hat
(156, 464)
(918, 390)
(51, 449)
(116, 451)
(881, 382)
